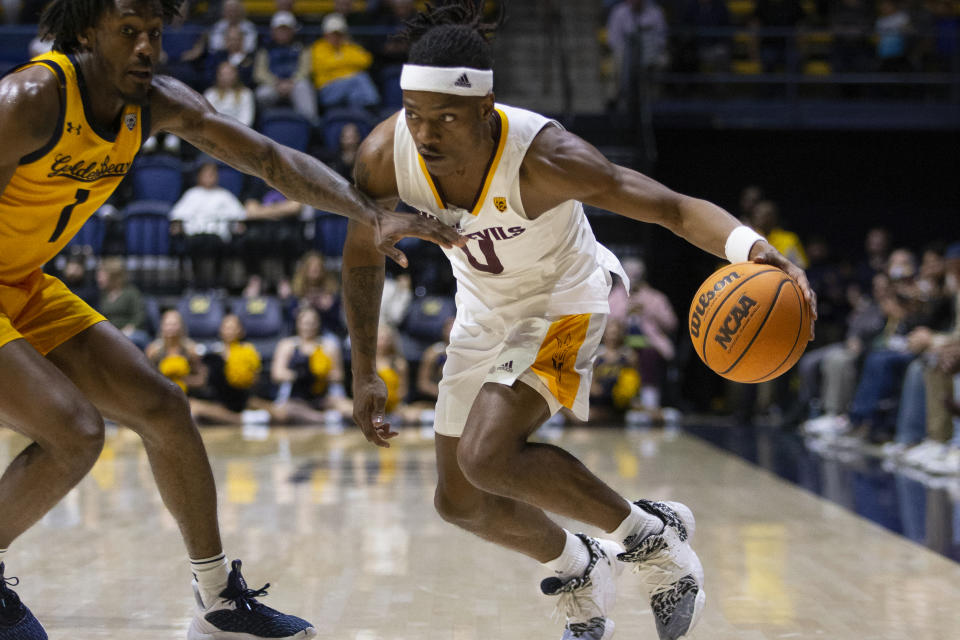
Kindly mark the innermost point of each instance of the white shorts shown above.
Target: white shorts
(553, 355)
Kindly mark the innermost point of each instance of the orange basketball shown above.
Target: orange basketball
(749, 322)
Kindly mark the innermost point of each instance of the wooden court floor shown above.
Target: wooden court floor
(347, 537)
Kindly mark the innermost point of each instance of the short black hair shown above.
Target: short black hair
(65, 20)
(452, 33)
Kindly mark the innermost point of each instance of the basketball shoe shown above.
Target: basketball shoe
(585, 601)
(16, 621)
(237, 615)
(669, 568)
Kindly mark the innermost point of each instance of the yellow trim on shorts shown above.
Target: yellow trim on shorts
(557, 358)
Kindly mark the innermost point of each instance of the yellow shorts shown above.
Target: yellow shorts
(42, 310)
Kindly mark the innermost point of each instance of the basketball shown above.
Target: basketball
(749, 322)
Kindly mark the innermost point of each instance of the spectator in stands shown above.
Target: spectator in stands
(397, 296)
(893, 30)
(308, 368)
(315, 287)
(350, 139)
(394, 370)
(205, 214)
(339, 68)
(234, 53)
(710, 53)
(175, 355)
(637, 36)
(393, 50)
(422, 410)
(650, 327)
(121, 302)
(777, 51)
(749, 197)
(273, 235)
(928, 389)
(828, 375)
(282, 69)
(233, 15)
(11, 11)
(616, 379)
(229, 96)
(766, 220)
(233, 367)
(850, 22)
(877, 247)
(77, 278)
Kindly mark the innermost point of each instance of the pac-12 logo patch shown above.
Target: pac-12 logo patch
(500, 204)
(130, 120)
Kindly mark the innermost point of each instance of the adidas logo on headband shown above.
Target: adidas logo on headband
(462, 81)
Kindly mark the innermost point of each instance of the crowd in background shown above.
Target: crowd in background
(814, 37)
(882, 372)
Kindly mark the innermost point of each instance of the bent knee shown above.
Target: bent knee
(467, 512)
(78, 444)
(483, 463)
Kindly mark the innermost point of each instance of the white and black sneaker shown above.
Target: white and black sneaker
(670, 570)
(585, 601)
(237, 615)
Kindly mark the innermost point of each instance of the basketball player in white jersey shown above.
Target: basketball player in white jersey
(531, 307)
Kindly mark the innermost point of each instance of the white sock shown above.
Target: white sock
(639, 522)
(572, 561)
(211, 574)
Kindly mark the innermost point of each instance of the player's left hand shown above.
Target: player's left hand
(393, 226)
(764, 253)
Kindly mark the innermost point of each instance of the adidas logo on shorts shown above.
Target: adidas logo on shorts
(463, 81)
(506, 366)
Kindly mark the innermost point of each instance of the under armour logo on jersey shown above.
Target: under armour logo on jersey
(130, 120)
(463, 81)
(71, 128)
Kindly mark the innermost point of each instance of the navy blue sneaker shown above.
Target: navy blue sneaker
(237, 615)
(16, 621)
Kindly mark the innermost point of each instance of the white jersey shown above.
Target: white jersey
(551, 266)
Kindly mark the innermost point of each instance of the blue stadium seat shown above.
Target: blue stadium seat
(147, 228)
(331, 233)
(426, 316)
(335, 119)
(231, 179)
(262, 318)
(287, 127)
(157, 177)
(390, 93)
(202, 314)
(91, 235)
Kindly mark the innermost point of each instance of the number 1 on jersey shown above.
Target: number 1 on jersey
(79, 198)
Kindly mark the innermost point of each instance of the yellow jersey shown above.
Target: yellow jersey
(58, 187)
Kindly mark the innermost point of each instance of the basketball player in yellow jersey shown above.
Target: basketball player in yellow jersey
(71, 123)
(532, 287)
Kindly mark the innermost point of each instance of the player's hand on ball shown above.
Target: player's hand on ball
(393, 226)
(764, 253)
(369, 400)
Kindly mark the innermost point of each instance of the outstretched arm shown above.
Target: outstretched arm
(363, 273)
(561, 166)
(180, 110)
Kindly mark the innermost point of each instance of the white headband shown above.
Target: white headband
(459, 81)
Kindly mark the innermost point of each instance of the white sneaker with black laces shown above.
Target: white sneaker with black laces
(670, 570)
(585, 601)
(237, 615)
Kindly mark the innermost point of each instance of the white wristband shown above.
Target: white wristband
(739, 243)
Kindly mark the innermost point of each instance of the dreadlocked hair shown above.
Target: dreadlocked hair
(65, 20)
(452, 33)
